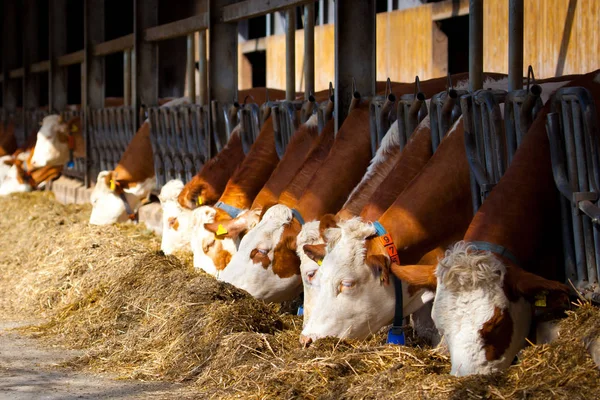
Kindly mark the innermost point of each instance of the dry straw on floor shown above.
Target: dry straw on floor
(109, 291)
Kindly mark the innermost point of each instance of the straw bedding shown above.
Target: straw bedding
(136, 312)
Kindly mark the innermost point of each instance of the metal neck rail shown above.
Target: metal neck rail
(382, 116)
(411, 110)
(573, 131)
(444, 110)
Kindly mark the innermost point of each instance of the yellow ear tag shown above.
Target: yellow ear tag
(540, 300)
(221, 230)
(113, 186)
(199, 201)
(320, 262)
(74, 128)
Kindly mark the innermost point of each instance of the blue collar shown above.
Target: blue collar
(231, 210)
(497, 249)
(296, 214)
(396, 332)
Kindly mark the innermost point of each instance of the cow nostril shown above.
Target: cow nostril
(305, 340)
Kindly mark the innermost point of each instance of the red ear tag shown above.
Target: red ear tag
(388, 243)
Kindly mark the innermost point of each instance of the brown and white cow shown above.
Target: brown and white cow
(486, 284)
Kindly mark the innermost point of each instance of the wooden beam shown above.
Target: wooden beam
(71, 58)
(10, 88)
(183, 27)
(57, 75)
(31, 84)
(144, 83)
(93, 87)
(42, 66)
(16, 73)
(117, 45)
(252, 45)
(256, 8)
(449, 8)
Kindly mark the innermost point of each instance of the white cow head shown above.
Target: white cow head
(51, 147)
(108, 207)
(310, 239)
(252, 267)
(210, 253)
(353, 290)
(13, 181)
(482, 306)
(177, 221)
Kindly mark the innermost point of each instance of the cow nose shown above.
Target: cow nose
(305, 340)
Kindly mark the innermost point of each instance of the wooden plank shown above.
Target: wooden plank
(117, 45)
(253, 45)
(71, 58)
(42, 66)
(16, 73)
(256, 8)
(183, 27)
(448, 9)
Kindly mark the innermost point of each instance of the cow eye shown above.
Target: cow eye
(311, 274)
(347, 284)
(264, 252)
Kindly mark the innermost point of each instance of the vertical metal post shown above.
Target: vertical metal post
(92, 70)
(127, 77)
(191, 67)
(322, 18)
(144, 84)
(309, 49)
(354, 53)
(31, 84)
(290, 54)
(515, 44)
(57, 76)
(202, 69)
(10, 88)
(475, 44)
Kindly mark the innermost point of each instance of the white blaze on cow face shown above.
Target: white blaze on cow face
(251, 267)
(177, 221)
(108, 207)
(51, 147)
(351, 300)
(483, 329)
(308, 267)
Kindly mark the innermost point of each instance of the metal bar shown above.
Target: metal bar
(76, 57)
(127, 77)
(475, 45)
(290, 54)
(515, 45)
(202, 69)
(354, 53)
(175, 29)
(57, 76)
(114, 46)
(144, 89)
(252, 45)
(191, 67)
(309, 49)
(448, 9)
(256, 8)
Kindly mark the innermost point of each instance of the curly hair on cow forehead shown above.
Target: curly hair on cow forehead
(465, 267)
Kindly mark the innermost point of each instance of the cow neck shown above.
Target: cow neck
(137, 162)
(415, 155)
(291, 162)
(522, 212)
(343, 168)
(436, 204)
(254, 171)
(318, 153)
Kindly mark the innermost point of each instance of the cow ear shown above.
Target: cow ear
(286, 262)
(380, 264)
(327, 221)
(315, 252)
(416, 276)
(520, 283)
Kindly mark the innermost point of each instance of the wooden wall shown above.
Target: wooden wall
(561, 37)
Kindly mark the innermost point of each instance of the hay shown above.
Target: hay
(109, 291)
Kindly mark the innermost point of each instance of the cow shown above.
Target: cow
(205, 188)
(487, 284)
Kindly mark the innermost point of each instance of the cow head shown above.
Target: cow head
(352, 286)
(482, 306)
(51, 147)
(15, 179)
(266, 264)
(196, 193)
(177, 221)
(212, 252)
(108, 206)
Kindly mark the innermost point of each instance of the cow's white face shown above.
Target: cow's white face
(177, 221)
(51, 147)
(483, 329)
(309, 235)
(108, 207)
(352, 299)
(10, 183)
(251, 268)
(205, 245)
